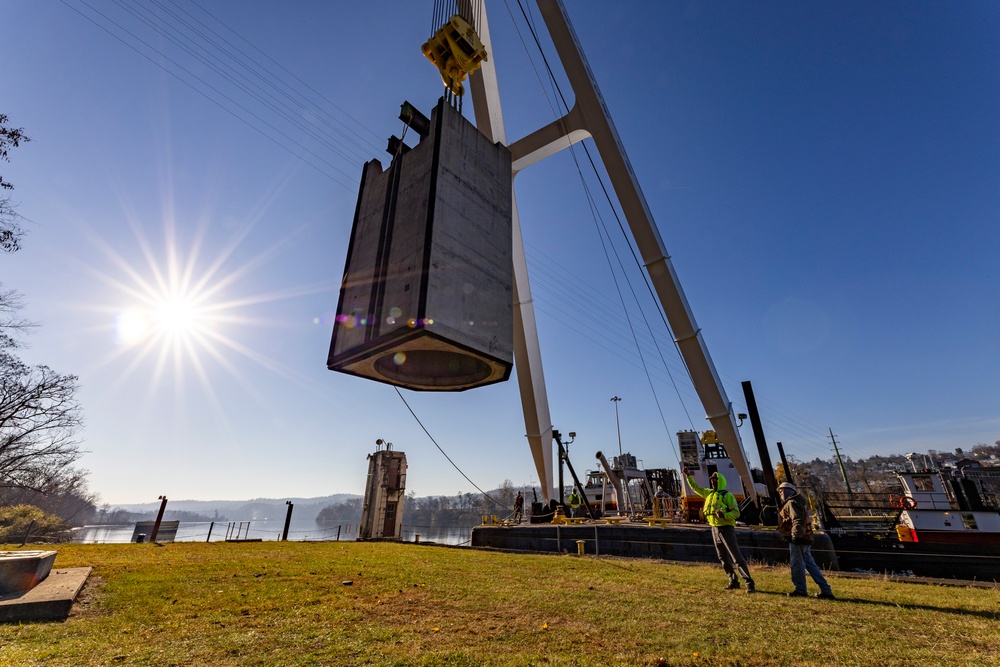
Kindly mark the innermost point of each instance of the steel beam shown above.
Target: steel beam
(527, 354)
(590, 117)
(590, 113)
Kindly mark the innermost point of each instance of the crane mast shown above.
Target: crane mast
(589, 117)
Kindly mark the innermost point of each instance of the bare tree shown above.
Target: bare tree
(13, 327)
(10, 231)
(39, 418)
(39, 415)
(506, 493)
(66, 495)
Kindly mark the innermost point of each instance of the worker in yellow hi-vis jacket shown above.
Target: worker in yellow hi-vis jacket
(721, 512)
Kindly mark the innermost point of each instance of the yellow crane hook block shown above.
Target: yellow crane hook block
(456, 50)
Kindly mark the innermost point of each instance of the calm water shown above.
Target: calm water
(268, 530)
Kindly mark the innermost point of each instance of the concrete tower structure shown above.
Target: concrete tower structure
(385, 491)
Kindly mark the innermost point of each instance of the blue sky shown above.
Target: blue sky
(825, 177)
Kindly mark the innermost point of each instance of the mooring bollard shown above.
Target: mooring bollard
(579, 547)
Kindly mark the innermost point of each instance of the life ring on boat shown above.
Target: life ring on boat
(902, 502)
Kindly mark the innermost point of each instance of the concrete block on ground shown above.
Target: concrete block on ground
(51, 600)
(23, 570)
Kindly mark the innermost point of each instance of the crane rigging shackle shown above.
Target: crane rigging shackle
(456, 50)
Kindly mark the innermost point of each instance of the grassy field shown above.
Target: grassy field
(350, 603)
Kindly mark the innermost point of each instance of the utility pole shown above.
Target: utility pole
(841, 463)
(615, 400)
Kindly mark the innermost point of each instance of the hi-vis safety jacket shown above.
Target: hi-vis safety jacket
(716, 500)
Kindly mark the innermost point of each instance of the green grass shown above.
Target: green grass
(286, 603)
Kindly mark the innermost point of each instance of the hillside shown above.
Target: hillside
(306, 509)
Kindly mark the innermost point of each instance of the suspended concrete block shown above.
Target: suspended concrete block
(425, 301)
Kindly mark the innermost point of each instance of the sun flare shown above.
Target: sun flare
(177, 315)
(169, 318)
(182, 314)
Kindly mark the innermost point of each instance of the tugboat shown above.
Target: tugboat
(925, 530)
(928, 515)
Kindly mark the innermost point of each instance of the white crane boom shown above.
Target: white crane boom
(589, 117)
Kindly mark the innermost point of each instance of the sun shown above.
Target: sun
(177, 300)
(181, 311)
(178, 315)
(168, 319)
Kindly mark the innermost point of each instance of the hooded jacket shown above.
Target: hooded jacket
(795, 520)
(715, 500)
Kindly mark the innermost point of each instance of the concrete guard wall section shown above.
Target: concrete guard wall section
(426, 298)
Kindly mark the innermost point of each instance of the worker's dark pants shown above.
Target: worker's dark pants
(728, 551)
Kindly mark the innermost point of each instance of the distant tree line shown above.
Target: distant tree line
(337, 514)
(116, 517)
(458, 511)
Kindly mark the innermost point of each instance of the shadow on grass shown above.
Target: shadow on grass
(989, 615)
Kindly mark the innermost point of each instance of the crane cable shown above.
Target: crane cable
(555, 84)
(454, 465)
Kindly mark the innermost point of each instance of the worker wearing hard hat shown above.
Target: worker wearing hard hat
(721, 512)
(574, 503)
(795, 523)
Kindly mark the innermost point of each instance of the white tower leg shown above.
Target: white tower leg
(527, 355)
(590, 117)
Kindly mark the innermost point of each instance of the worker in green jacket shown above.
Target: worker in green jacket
(721, 512)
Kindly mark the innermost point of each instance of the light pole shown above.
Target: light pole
(615, 400)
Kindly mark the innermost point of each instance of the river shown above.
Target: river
(267, 530)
